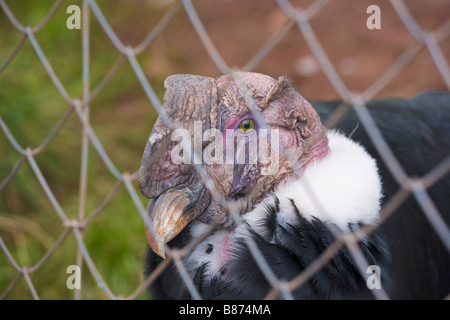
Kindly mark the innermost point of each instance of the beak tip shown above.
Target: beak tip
(162, 254)
(155, 245)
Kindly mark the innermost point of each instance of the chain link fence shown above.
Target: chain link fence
(295, 17)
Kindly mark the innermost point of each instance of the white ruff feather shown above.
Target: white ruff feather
(342, 188)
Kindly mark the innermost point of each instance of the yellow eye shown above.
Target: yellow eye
(247, 125)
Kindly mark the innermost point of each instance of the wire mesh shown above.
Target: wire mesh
(410, 186)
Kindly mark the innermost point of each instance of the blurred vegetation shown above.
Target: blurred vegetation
(122, 118)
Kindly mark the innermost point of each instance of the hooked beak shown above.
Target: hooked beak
(177, 196)
(170, 213)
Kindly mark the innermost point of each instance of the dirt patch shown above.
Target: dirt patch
(239, 29)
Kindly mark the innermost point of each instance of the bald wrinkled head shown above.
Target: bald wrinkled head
(247, 131)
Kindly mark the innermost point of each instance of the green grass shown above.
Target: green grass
(122, 118)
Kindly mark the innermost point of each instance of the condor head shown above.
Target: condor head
(174, 172)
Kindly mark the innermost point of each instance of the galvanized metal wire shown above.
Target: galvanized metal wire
(415, 187)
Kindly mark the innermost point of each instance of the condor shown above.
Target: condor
(328, 181)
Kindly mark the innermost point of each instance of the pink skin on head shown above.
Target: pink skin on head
(168, 169)
(231, 122)
(164, 167)
(225, 249)
(287, 138)
(320, 151)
